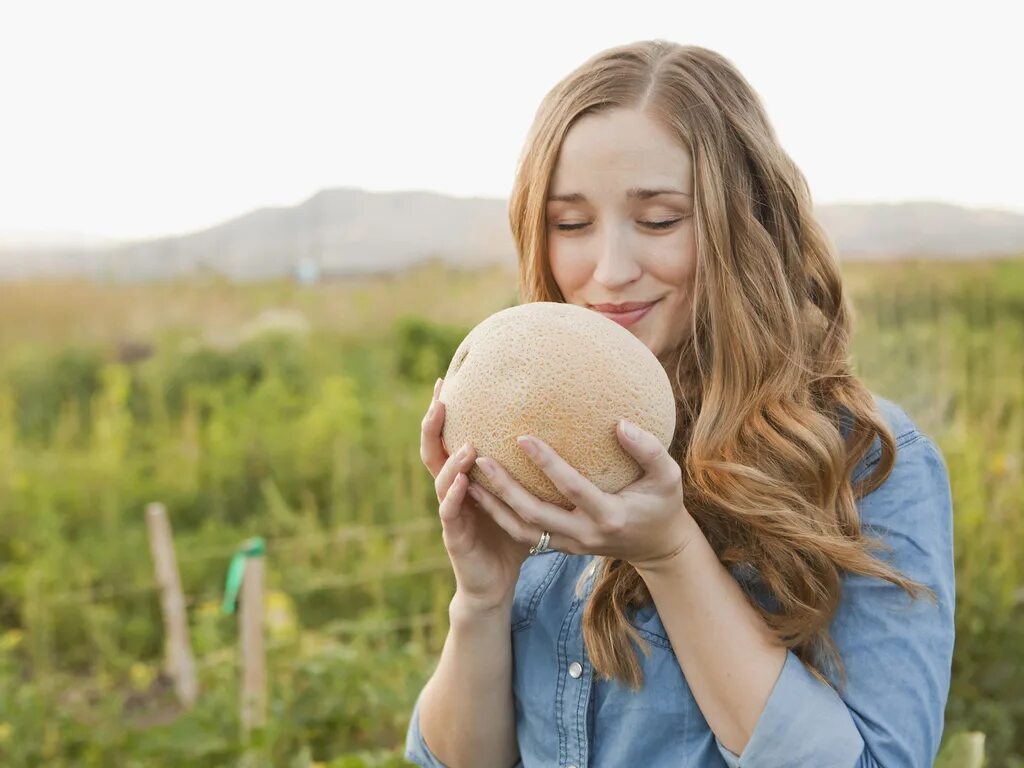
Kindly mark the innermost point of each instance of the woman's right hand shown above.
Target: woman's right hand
(486, 560)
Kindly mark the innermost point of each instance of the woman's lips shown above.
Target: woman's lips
(627, 319)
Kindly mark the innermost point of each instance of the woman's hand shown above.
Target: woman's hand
(485, 559)
(644, 524)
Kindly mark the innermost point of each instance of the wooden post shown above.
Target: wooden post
(250, 626)
(179, 663)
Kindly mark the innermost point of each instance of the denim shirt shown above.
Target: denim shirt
(897, 653)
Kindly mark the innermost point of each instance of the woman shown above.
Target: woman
(786, 566)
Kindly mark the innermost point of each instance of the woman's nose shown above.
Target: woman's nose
(615, 264)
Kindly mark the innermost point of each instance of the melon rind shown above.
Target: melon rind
(562, 373)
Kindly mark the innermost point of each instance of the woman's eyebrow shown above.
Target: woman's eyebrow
(637, 193)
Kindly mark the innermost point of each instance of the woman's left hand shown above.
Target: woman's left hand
(645, 523)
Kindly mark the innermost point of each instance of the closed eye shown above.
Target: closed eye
(649, 224)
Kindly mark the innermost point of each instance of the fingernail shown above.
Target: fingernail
(462, 451)
(528, 446)
(486, 466)
(628, 430)
(437, 387)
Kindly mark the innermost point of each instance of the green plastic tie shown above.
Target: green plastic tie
(254, 547)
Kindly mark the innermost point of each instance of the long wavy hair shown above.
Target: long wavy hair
(762, 380)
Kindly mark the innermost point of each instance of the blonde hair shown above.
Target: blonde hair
(761, 376)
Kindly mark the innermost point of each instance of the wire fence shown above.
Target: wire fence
(249, 655)
(289, 544)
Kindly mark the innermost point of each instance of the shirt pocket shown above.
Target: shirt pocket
(664, 710)
(535, 576)
(647, 621)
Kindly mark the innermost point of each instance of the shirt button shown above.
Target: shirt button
(575, 670)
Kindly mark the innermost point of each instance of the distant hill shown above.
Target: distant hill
(35, 240)
(921, 229)
(349, 232)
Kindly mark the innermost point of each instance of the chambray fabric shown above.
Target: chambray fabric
(897, 653)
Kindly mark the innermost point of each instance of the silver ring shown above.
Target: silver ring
(542, 545)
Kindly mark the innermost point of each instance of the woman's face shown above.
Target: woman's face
(610, 241)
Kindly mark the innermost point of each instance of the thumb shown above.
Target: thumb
(648, 451)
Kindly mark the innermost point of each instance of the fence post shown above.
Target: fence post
(179, 663)
(250, 625)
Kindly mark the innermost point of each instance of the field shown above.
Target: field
(292, 413)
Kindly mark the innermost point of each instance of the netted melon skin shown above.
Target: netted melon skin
(565, 374)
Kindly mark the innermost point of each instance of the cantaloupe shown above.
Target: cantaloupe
(565, 374)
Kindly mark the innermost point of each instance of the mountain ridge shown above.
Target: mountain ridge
(347, 231)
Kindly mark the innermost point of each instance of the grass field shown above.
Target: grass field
(292, 413)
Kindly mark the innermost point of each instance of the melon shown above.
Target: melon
(564, 374)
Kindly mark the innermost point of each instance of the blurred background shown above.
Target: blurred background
(240, 241)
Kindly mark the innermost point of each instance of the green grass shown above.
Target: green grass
(309, 438)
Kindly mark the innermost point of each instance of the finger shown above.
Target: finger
(500, 512)
(517, 528)
(586, 496)
(460, 462)
(451, 506)
(649, 453)
(576, 525)
(432, 452)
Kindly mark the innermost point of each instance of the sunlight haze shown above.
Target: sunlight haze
(131, 120)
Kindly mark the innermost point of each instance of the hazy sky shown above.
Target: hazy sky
(137, 119)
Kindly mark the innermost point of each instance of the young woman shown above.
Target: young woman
(786, 567)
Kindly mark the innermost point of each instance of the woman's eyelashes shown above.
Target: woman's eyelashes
(649, 224)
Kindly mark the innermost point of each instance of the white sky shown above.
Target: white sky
(136, 119)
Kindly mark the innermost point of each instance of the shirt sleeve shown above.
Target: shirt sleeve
(416, 749)
(897, 651)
